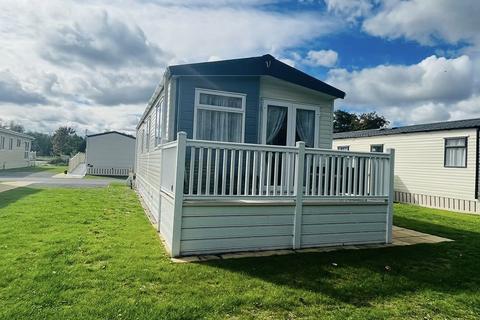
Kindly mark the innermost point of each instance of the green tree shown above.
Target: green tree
(371, 120)
(65, 141)
(16, 127)
(344, 121)
(42, 143)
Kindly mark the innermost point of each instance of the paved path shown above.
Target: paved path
(400, 237)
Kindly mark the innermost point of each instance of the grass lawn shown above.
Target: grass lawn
(92, 254)
(92, 177)
(43, 168)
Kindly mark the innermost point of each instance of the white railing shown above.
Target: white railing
(234, 169)
(238, 170)
(331, 173)
(75, 161)
(32, 155)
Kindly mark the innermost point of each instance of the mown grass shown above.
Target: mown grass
(94, 177)
(42, 168)
(92, 254)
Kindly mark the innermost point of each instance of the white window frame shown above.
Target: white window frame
(27, 150)
(159, 120)
(198, 105)
(291, 119)
(377, 145)
(445, 147)
(149, 133)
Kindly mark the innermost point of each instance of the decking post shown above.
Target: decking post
(297, 222)
(178, 200)
(391, 194)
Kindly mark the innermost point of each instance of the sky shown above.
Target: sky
(93, 64)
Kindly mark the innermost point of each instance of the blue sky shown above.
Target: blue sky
(94, 64)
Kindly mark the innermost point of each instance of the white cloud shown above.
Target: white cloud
(433, 79)
(434, 89)
(96, 118)
(427, 21)
(96, 63)
(11, 90)
(102, 41)
(323, 58)
(351, 10)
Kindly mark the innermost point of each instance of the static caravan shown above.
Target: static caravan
(436, 164)
(15, 150)
(236, 155)
(110, 153)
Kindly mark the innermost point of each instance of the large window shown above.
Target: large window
(219, 116)
(455, 152)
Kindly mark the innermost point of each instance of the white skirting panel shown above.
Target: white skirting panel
(119, 172)
(218, 228)
(438, 202)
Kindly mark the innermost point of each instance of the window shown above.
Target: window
(343, 148)
(285, 123)
(376, 148)
(10, 144)
(143, 141)
(455, 152)
(19, 143)
(2, 143)
(27, 149)
(148, 133)
(159, 109)
(219, 116)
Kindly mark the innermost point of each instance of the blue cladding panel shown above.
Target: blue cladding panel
(247, 85)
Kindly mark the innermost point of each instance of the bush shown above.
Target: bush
(58, 161)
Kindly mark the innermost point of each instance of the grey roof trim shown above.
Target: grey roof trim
(436, 126)
(15, 133)
(110, 132)
(265, 65)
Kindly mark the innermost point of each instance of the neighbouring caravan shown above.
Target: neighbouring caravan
(15, 150)
(436, 164)
(236, 155)
(110, 154)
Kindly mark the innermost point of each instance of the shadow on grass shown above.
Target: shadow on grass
(359, 277)
(12, 196)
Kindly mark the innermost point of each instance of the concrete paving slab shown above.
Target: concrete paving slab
(400, 237)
